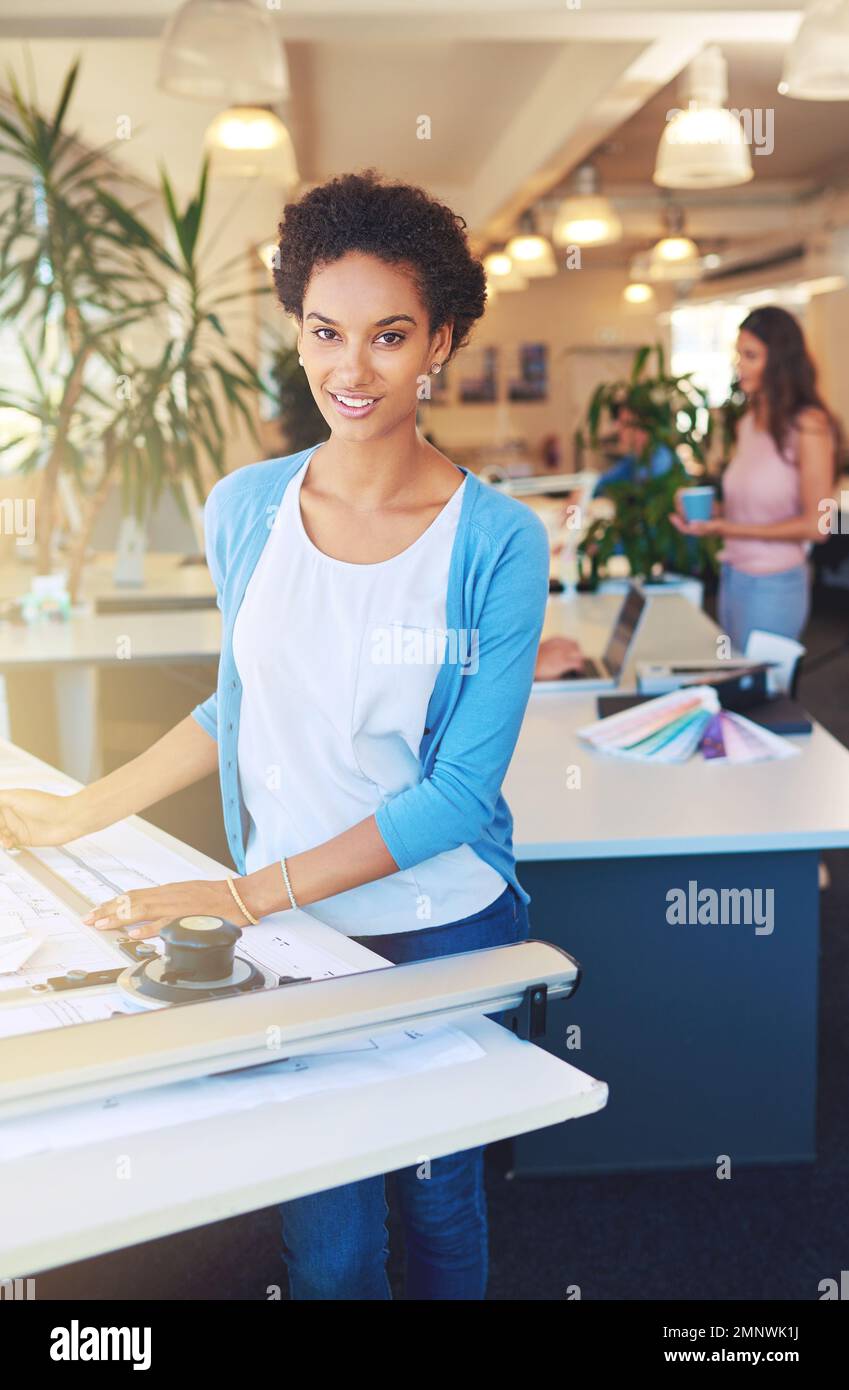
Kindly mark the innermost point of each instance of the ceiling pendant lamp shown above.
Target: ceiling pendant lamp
(816, 66)
(704, 146)
(501, 272)
(675, 256)
(531, 254)
(250, 141)
(267, 252)
(585, 217)
(223, 50)
(638, 292)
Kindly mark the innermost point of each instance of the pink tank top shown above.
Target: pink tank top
(760, 486)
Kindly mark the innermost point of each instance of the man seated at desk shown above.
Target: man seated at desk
(631, 440)
(556, 656)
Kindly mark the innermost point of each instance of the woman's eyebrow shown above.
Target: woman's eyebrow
(379, 323)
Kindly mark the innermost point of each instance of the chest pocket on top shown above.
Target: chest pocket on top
(398, 667)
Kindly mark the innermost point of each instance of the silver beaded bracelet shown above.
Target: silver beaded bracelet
(288, 884)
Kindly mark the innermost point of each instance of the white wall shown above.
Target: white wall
(826, 322)
(581, 315)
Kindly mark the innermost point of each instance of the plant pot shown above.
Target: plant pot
(129, 557)
(683, 584)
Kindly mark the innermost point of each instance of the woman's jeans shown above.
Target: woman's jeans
(335, 1242)
(772, 602)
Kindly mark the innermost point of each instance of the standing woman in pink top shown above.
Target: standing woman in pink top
(782, 468)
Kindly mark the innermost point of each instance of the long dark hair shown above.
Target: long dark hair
(790, 376)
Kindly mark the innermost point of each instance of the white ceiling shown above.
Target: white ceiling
(517, 93)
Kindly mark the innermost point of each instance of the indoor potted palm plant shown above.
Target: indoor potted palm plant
(300, 420)
(80, 270)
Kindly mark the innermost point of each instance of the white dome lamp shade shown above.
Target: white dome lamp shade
(638, 292)
(816, 66)
(223, 50)
(675, 256)
(501, 272)
(586, 217)
(704, 146)
(250, 141)
(531, 254)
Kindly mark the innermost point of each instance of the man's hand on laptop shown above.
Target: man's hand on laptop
(557, 656)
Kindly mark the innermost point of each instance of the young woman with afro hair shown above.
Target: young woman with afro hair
(382, 610)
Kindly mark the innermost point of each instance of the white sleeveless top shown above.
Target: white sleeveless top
(337, 663)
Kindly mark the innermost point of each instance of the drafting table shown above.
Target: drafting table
(68, 1205)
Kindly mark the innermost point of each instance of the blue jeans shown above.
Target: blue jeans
(772, 602)
(335, 1243)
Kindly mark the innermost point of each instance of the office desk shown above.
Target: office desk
(71, 1204)
(706, 1035)
(70, 653)
(168, 582)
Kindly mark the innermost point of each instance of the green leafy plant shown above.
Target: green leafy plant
(171, 418)
(674, 413)
(68, 283)
(301, 421)
(79, 269)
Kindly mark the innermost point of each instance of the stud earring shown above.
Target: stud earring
(436, 368)
(300, 361)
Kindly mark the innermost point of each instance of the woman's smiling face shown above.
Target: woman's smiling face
(366, 343)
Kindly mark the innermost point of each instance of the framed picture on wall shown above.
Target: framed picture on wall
(527, 378)
(479, 382)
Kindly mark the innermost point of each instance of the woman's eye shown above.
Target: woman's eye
(318, 332)
(398, 337)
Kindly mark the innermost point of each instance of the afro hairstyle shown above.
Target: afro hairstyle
(397, 222)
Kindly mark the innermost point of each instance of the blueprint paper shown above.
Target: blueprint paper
(402, 1052)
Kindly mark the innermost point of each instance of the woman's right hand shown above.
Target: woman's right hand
(29, 817)
(715, 511)
(557, 656)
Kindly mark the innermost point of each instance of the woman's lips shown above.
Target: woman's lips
(347, 407)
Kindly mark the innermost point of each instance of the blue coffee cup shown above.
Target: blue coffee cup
(697, 503)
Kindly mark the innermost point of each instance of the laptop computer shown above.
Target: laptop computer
(604, 673)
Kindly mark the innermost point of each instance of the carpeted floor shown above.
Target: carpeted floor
(769, 1233)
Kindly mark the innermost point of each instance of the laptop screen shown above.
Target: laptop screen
(622, 636)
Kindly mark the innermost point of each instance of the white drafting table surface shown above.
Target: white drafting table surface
(69, 1205)
(625, 809)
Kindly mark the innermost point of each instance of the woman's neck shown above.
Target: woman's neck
(397, 468)
(757, 405)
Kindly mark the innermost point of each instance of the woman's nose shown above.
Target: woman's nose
(355, 368)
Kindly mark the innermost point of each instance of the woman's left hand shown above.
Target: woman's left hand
(155, 907)
(713, 527)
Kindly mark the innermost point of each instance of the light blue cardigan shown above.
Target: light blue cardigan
(497, 587)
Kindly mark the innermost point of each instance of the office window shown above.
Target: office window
(16, 380)
(703, 342)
